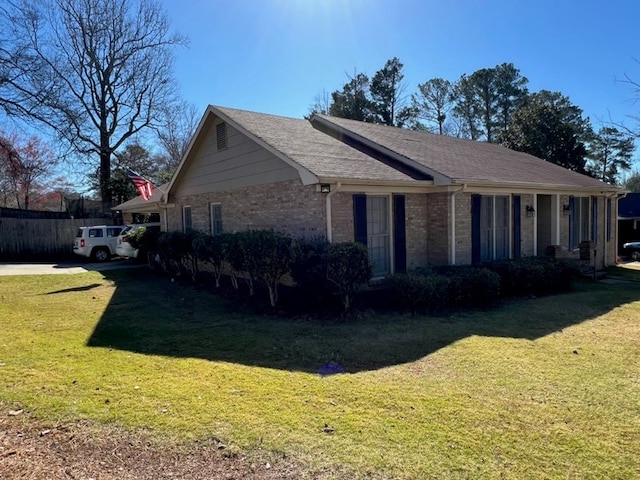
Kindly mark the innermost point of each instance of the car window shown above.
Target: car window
(113, 232)
(95, 232)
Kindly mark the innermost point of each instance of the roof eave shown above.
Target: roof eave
(536, 187)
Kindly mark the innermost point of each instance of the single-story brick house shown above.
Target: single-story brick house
(413, 198)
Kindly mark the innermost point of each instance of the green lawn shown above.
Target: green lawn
(535, 388)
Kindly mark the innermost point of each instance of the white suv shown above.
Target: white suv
(124, 248)
(97, 242)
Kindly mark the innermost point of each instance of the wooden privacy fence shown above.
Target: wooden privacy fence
(28, 238)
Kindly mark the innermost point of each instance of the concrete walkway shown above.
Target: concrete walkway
(62, 268)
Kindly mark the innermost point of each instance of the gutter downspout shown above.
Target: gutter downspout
(328, 206)
(452, 224)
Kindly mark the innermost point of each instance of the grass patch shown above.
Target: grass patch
(541, 388)
(625, 271)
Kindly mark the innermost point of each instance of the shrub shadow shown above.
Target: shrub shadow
(150, 314)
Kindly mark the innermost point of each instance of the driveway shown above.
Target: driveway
(19, 268)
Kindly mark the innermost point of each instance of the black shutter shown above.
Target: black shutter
(475, 229)
(399, 234)
(360, 218)
(517, 250)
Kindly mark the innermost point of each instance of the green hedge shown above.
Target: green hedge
(267, 256)
(434, 290)
(533, 275)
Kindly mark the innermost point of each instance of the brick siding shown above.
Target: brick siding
(287, 206)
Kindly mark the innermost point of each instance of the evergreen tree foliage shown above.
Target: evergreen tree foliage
(550, 127)
(386, 91)
(610, 151)
(353, 100)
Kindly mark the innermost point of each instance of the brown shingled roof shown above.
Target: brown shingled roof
(464, 160)
(315, 151)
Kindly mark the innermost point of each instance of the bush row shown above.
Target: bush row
(434, 290)
(266, 256)
(320, 269)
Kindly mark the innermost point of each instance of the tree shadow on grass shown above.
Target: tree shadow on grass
(84, 288)
(152, 315)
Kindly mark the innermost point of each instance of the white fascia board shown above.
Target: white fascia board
(479, 187)
(351, 185)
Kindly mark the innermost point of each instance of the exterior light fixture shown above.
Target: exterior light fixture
(565, 209)
(325, 188)
(531, 212)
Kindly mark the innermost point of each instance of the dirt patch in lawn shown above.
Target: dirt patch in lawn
(80, 450)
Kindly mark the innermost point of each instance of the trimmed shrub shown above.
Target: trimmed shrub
(268, 255)
(308, 267)
(174, 250)
(533, 275)
(210, 249)
(235, 255)
(437, 293)
(410, 290)
(470, 285)
(348, 268)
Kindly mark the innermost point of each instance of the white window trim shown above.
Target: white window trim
(509, 225)
(577, 200)
(390, 221)
(211, 220)
(184, 225)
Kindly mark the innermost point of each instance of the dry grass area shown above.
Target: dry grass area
(30, 449)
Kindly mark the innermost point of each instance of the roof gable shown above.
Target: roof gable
(316, 156)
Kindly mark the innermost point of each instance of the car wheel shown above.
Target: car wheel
(635, 256)
(101, 255)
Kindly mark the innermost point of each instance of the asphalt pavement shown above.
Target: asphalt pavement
(63, 268)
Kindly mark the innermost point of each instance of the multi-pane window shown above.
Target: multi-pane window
(378, 238)
(494, 228)
(186, 218)
(216, 218)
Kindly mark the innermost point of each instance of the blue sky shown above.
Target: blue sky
(275, 56)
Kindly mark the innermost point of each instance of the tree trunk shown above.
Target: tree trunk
(105, 176)
(273, 292)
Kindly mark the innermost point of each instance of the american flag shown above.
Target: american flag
(144, 186)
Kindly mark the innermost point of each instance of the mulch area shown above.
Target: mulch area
(30, 450)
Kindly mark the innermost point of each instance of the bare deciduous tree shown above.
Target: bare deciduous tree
(23, 163)
(177, 127)
(97, 71)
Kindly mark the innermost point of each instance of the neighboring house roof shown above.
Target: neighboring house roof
(629, 206)
(462, 160)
